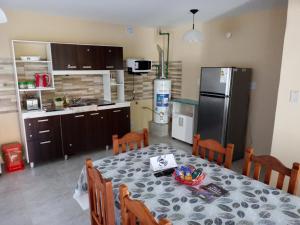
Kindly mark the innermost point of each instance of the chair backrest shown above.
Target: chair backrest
(214, 149)
(101, 197)
(270, 163)
(134, 212)
(130, 140)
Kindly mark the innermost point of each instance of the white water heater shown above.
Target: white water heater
(162, 95)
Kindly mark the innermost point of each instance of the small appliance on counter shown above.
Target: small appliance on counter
(32, 104)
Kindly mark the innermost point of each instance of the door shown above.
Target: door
(113, 58)
(64, 56)
(212, 117)
(74, 133)
(86, 57)
(215, 80)
(120, 121)
(97, 129)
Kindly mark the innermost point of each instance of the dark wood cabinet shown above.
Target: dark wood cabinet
(64, 56)
(113, 58)
(74, 133)
(52, 137)
(120, 121)
(43, 138)
(97, 128)
(86, 57)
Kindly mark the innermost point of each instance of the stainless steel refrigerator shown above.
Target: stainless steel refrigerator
(223, 106)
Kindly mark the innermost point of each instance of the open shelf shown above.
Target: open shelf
(37, 89)
(40, 61)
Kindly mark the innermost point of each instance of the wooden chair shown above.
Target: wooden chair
(134, 212)
(271, 163)
(130, 139)
(214, 148)
(100, 197)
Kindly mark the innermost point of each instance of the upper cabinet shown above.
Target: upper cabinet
(64, 56)
(113, 58)
(86, 57)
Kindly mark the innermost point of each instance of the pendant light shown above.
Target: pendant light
(193, 35)
(3, 18)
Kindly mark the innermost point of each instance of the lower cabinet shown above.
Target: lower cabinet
(53, 137)
(43, 139)
(120, 121)
(74, 134)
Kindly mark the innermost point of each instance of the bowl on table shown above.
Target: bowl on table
(189, 175)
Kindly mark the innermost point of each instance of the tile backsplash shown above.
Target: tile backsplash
(137, 87)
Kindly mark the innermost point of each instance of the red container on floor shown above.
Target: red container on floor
(13, 157)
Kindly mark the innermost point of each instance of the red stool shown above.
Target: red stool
(13, 157)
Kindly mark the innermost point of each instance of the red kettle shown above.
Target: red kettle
(37, 80)
(46, 80)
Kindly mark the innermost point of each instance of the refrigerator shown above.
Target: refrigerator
(223, 106)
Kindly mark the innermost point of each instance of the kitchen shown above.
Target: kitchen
(74, 131)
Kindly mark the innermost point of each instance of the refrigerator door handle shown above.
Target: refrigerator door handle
(214, 95)
(225, 120)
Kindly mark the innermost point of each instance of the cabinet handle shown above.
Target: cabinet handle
(109, 67)
(101, 117)
(78, 116)
(29, 124)
(45, 142)
(30, 135)
(70, 145)
(71, 67)
(127, 116)
(44, 131)
(94, 114)
(86, 67)
(115, 111)
(42, 121)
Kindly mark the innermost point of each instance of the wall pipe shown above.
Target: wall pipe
(168, 47)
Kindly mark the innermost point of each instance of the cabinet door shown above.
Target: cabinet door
(97, 129)
(120, 121)
(64, 56)
(113, 58)
(74, 133)
(86, 57)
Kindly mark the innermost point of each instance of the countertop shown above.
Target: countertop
(71, 110)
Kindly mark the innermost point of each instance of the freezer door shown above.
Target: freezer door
(215, 80)
(212, 117)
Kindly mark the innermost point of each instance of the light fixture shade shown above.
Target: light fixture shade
(193, 36)
(3, 18)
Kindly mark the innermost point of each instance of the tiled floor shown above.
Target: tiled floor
(43, 195)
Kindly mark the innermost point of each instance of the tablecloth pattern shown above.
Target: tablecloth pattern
(248, 202)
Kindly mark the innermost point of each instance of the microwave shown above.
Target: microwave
(138, 66)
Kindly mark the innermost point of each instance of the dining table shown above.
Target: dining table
(248, 201)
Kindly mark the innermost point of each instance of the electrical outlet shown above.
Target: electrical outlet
(294, 96)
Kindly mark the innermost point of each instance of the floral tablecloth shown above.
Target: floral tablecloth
(249, 201)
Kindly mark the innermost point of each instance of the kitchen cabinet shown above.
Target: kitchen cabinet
(113, 58)
(120, 121)
(86, 57)
(43, 137)
(97, 128)
(64, 56)
(52, 137)
(74, 132)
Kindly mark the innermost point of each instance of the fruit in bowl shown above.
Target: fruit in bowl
(189, 175)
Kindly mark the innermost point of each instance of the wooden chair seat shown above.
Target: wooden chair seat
(134, 212)
(216, 152)
(270, 163)
(130, 140)
(101, 197)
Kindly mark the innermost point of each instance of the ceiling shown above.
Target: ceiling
(141, 12)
